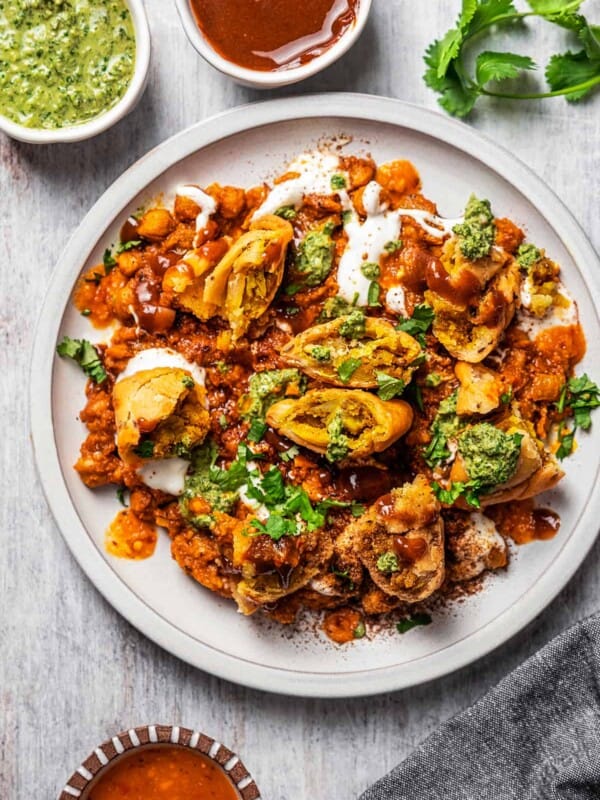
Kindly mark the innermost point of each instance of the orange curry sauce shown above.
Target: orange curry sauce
(128, 536)
(164, 773)
(273, 35)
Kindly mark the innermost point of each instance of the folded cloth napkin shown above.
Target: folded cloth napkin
(534, 736)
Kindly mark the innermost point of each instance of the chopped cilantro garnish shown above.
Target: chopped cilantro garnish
(338, 181)
(188, 381)
(347, 369)
(412, 622)
(419, 323)
(445, 424)
(347, 216)
(432, 380)
(290, 454)
(108, 260)
(389, 386)
(373, 294)
(121, 496)
(470, 490)
(276, 527)
(85, 354)
(580, 395)
(258, 428)
(223, 421)
(145, 449)
(86, 312)
(286, 212)
(122, 247)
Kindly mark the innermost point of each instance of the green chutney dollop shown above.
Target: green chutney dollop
(490, 455)
(63, 62)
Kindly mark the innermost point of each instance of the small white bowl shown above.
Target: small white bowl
(270, 79)
(85, 130)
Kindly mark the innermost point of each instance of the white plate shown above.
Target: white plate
(242, 147)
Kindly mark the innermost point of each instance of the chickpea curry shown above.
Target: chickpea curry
(330, 397)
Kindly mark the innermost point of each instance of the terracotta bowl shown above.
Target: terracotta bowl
(109, 751)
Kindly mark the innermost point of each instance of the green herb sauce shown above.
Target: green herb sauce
(63, 62)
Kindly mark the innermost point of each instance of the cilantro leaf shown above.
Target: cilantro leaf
(470, 490)
(389, 386)
(108, 260)
(569, 70)
(419, 323)
(347, 369)
(581, 395)
(412, 622)
(123, 247)
(573, 75)
(145, 449)
(286, 212)
(257, 430)
(276, 527)
(493, 66)
(85, 354)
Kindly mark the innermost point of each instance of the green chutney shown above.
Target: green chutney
(63, 62)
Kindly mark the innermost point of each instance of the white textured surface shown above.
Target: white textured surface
(71, 670)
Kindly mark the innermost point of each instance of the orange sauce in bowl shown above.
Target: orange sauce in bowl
(163, 772)
(270, 35)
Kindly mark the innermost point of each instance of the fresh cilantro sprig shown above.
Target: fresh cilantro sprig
(420, 322)
(470, 490)
(85, 354)
(573, 75)
(580, 395)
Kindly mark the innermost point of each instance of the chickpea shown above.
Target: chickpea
(156, 224)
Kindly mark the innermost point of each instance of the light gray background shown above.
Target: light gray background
(71, 670)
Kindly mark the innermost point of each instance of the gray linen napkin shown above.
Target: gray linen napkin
(535, 736)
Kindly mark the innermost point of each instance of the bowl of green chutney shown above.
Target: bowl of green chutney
(69, 70)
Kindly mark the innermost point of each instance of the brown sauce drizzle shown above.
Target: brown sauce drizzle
(363, 483)
(410, 549)
(271, 35)
(460, 290)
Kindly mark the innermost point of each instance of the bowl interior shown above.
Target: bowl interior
(134, 753)
(268, 78)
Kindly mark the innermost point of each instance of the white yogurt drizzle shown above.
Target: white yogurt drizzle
(260, 511)
(165, 474)
(366, 240)
(206, 203)
(485, 536)
(157, 357)
(315, 171)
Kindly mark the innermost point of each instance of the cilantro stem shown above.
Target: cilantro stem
(541, 95)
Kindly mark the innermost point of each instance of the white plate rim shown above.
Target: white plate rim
(112, 587)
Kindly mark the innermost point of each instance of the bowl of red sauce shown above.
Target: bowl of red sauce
(161, 762)
(270, 43)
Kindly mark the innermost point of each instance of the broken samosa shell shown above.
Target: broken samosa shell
(479, 391)
(162, 406)
(380, 349)
(537, 470)
(409, 513)
(371, 425)
(471, 328)
(243, 284)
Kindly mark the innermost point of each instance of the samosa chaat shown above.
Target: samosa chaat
(331, 397)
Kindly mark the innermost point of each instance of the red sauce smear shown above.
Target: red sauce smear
(523, 523)
(164, 773)
(270, 35)
(460, 289)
